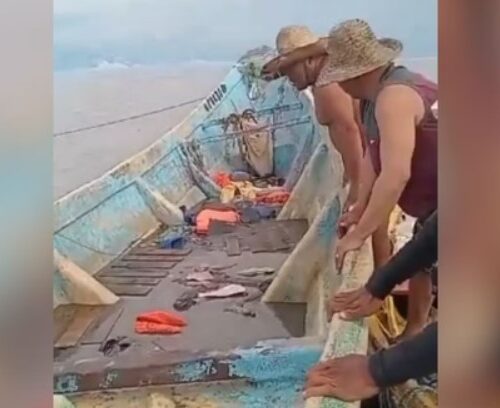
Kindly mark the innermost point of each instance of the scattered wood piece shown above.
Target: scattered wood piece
(233, 246)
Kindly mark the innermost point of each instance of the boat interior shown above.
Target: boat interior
(252, 292)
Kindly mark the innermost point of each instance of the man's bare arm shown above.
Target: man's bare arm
(334, 108)
(399, 108)
(367, 179)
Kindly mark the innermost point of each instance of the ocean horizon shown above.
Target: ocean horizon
(110, 90)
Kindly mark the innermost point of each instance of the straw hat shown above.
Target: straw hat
(295, 43)
(294, 36)
(354, 50)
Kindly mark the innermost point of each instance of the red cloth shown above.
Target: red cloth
(159, 322)
(222, 179)
(274, 197)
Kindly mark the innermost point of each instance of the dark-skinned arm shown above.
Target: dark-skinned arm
(419, 253)
(410, 359)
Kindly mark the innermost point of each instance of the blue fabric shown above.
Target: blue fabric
(173, 241)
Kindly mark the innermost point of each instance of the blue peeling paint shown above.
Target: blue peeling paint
(60, 285)
(319, 164)
(195, 371)
(272, 364)
(66, 384)
(108, 380)
(328, 224)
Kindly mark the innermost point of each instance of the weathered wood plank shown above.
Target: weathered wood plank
(160, 251)
(101, 329)
(129, 290)
(233, 246)
(133, 273)
(84, 316)
(124, 280)
(142, 264)
(151, 258)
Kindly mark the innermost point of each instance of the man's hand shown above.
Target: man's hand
(354, 304)
(346, 378)
(349, 242)
(271, 70)
(352, 197)
(352, 214)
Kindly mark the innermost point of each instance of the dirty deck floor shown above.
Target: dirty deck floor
(210, 327)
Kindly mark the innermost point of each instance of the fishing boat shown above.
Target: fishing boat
(111, 267)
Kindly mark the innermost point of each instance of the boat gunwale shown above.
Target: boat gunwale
(170, 368)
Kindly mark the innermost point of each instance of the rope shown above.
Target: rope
(250, 70)
(128, 118)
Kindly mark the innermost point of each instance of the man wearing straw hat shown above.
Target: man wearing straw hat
(335, 109)
(401, 139)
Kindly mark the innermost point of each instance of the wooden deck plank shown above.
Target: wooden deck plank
(160, 251)
(142, 264)
(100, 330)
(129, 290)
(84, 316)
(152, 258)
(124, 280)
(133, 273)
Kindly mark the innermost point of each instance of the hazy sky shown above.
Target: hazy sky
(87, 32)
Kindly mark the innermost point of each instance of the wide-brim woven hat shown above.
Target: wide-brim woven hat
(292, 37)
(294, 43)
(354, 50)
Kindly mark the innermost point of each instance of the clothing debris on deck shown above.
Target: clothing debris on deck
(159, 322)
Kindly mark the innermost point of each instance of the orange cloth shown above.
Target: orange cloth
(205, 216)
(222, 179)
(159, 322)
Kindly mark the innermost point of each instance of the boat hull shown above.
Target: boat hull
(100, 221)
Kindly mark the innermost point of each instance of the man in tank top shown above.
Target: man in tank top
(400, 133)
(335, 109)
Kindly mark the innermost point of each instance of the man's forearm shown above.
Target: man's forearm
(347, 141)
(410, 359)
(367, 179)
(384, 197)
(419, 253)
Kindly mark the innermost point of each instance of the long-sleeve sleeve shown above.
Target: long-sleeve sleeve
(419, 253)
(410, 359)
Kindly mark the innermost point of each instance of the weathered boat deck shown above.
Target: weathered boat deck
(83, 367)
